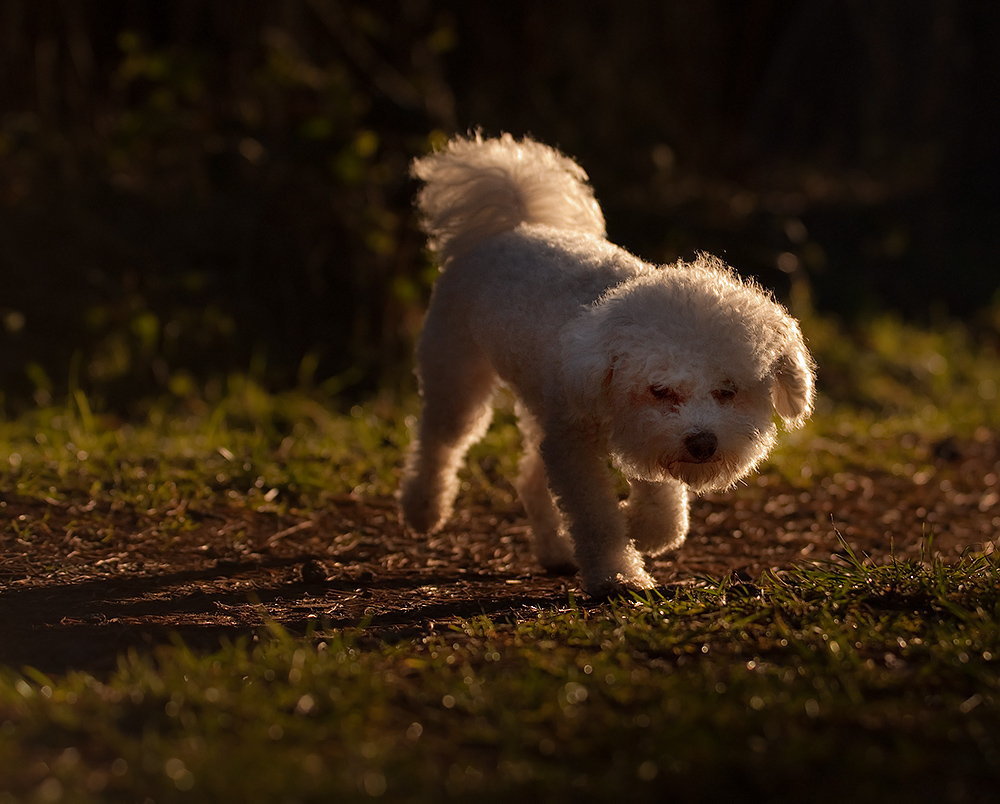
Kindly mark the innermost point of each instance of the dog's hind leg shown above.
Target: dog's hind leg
(550, 543)
(657, 515)
(457, 384)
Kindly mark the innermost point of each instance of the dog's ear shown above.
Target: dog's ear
(793, 390)
(587, 365)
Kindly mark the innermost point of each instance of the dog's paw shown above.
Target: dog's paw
(421, 515)
(620, 584)
(424, 503)
(656, 542)
(555, 555)
(657, 516)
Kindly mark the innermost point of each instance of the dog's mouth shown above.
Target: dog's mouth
(691, 470)
(692, 463)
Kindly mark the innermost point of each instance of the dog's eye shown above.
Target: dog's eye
(665, 394)
(725, 394)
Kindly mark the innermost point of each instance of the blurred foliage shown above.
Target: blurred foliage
(190, 191)
(187, 191)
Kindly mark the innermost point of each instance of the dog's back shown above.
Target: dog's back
(475, 189)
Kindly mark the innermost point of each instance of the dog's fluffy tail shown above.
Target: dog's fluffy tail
(476, 188)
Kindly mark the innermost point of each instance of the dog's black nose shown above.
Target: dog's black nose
(701, 445)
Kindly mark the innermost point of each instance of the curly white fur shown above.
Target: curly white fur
(475, 188)
(675, 372)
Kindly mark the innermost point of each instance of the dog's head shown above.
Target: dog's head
(682, 369)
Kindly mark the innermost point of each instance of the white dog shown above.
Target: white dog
(674, 372)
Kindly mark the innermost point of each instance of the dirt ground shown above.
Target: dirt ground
(80, 582)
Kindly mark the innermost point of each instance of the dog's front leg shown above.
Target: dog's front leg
(657, 515)
(579, 477)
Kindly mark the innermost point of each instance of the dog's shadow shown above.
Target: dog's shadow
(88, 624)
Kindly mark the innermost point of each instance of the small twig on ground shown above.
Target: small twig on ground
(274, 538)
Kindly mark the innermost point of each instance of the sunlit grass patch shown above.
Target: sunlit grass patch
(894, 375)
(251, 448)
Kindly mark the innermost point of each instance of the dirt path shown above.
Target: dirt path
(80, 582)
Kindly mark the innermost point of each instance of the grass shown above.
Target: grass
(831, 681)
(844, 680)
(252, 448)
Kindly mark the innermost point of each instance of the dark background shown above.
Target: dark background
(191, 189)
